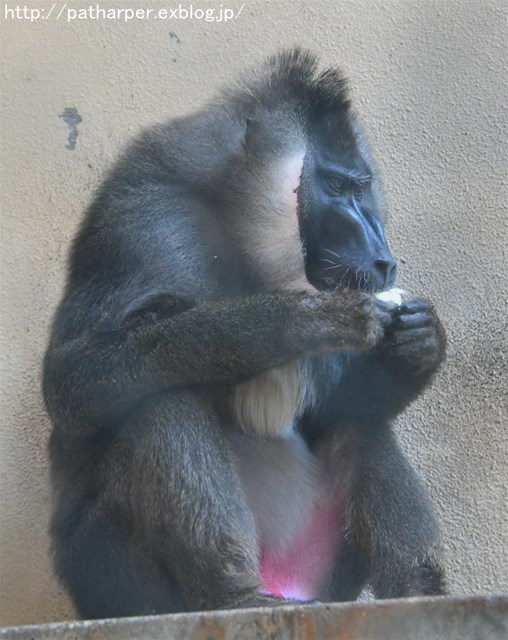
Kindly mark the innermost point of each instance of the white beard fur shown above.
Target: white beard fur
(269, 404)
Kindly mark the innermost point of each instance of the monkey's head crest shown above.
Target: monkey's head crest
(293, 83)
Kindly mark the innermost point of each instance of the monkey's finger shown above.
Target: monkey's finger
(383, 313)
(412, 321)
(413, 306)
(418, 355)
(422, 347)
(399, 337)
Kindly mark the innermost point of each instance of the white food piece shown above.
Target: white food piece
(393, 297)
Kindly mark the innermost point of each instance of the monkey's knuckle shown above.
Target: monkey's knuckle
(374, 331)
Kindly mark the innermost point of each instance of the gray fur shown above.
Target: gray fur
(218, 362)
(282, 481)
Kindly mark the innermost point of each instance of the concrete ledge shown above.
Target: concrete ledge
(450, 618)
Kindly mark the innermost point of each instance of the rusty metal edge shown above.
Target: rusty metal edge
(475, 617)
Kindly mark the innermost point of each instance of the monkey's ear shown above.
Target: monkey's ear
(251, 129)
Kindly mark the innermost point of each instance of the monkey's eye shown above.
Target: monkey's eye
(338, 185)
(359, 189)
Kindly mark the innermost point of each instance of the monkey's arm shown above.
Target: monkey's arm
(92, 379)
(383, 382)
(391, 537)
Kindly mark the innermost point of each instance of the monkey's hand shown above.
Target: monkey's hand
(349, 320)
(414, 343)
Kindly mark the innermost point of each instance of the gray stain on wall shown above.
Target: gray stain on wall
(72, 118)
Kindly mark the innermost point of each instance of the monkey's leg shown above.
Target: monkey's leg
(339, 455)
(104, 570)
(188, 504)
(350, 573)
(169, 528)
(391, 523)
(97, 553)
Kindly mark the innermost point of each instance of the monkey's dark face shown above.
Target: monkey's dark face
(340, 226)
(311, 203)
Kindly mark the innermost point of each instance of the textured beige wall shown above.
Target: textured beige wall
(429, 79)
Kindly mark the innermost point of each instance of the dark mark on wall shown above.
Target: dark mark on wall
(173, 36)
(72, 118)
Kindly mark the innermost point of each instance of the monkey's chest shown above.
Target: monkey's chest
(298, 522)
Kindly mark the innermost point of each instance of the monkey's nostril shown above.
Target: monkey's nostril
(386, 269)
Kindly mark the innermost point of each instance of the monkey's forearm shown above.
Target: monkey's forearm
(382, 383)
(368, 393)
(94, 378)
(373, 389)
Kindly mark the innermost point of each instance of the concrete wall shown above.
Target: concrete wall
(429, 79)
